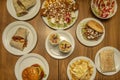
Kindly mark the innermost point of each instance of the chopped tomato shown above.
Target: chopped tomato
(105, 7)
(68, 20)
(67, 17)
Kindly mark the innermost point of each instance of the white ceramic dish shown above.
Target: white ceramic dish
(28, 60)
(80, 35)
(56, 27)
(31, 13)
(109, 16)
(10, 31)
(53, 51)
(116, 57)
(81, 58)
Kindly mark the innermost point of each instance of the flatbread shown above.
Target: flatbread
(20, 10)
(21, 32)
(19, 40)
(27, 3)
(107, 63)
(17, 45)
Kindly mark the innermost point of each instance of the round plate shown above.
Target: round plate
(10, 31)
(81, 58)
(98, 15)
(116, 57)
(28, 60)
(80, 35)
(54, 51)
(31, 13)
(57, 27)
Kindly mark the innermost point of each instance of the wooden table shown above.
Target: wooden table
(58, 67)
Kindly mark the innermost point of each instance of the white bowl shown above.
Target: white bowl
(109, 16)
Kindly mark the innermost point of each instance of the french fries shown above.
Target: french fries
(81, 70)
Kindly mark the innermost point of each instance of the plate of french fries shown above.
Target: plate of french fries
(81, 68)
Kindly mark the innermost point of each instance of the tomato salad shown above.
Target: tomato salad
(104, 8)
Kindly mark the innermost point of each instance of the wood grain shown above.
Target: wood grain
(58, 67)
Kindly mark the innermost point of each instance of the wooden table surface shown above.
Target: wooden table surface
(58, 67)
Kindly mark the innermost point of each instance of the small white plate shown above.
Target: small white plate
(102, 17)
(81, 58)
(31, 13)
(80, 35)
(53, 51)
(45, 19)
(28, 60)
(10, 31)
(116, 57)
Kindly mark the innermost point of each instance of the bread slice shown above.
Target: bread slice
(107, 63)
(95, 25)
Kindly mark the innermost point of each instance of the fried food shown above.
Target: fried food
(34, 72)
(81, 70)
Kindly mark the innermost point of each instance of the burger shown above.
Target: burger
(92, 30)
(34, 72)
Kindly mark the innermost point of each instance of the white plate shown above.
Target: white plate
(109, 15)
(80, 35)
(116, 57)
(28, 60)
(56, 27)
(31, 13)
(81, 58)
(10, 31)
(54, 51)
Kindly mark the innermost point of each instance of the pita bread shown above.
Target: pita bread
(107, 63)
(20, 10)
(27, 3)
(19, 40)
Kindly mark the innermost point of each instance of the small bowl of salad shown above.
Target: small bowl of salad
(104, 9)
